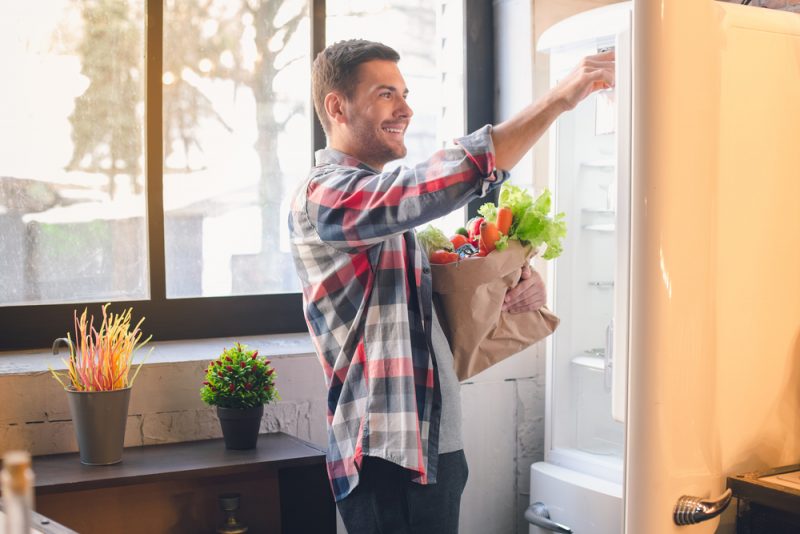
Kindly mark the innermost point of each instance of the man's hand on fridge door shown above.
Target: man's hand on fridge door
(593, 73)
(528, 295)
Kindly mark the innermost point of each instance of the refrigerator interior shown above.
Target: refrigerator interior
(589, 177)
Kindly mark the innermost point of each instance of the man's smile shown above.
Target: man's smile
(394, 129)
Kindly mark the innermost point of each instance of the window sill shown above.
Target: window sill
(274, 345)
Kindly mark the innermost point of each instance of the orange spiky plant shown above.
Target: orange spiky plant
(101, 359)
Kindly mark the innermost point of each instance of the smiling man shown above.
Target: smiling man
(395, 457)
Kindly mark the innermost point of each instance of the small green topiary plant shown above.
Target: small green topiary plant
(239, 379)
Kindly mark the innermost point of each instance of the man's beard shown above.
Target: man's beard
(373, 146)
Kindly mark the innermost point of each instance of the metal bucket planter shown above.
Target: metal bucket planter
(240, 426)
(99, 418)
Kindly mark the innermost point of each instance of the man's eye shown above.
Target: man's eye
(386, 94)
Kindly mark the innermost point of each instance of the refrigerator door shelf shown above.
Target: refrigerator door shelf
(609, 227)
(602, 285)
(606, 164)
(593, 211)
(592, 362)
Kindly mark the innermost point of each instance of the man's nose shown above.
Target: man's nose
(404, 110)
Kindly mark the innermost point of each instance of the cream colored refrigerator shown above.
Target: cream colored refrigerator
(677, 362)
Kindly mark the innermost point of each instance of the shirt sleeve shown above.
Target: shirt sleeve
(353, 208)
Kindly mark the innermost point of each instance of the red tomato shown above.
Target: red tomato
(474, 227)
(442, 256)
(458, 241)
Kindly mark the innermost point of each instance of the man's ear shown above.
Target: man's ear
(335, 107)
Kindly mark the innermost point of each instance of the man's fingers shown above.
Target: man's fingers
(589, 62)
(534, 295)
(608, 55)
(604, 75)
(528, 295)
(515, 292)
(529, 304)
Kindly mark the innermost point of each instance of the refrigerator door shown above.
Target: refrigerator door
(618, 357)
(714, 371)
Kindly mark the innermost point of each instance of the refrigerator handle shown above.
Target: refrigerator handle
(538, 515)
(608, 370)
(690, 510)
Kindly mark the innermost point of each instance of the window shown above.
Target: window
(148, 149)
(236, 139)
(71, 170)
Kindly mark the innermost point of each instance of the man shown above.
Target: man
(395, 457)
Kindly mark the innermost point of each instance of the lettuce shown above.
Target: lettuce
(488, 211)
(502, 243)
(433, 239)
(518, 200)
(532, 223)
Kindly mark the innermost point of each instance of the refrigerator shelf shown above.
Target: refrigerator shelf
(593, 211)
(607, 164)
(592, 362)
(606, 227)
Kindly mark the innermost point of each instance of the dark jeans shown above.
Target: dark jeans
(386, 501)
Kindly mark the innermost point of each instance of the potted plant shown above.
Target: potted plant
(239, 383)
(98, 382)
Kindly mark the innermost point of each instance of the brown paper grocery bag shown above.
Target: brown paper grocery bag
(468, 296)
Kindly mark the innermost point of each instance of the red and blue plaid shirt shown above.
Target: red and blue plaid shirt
(367, 298)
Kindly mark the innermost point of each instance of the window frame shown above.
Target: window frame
(36, 326)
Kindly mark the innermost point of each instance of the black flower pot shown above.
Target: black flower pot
(240, 426)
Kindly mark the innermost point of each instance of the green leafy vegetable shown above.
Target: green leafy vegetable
(531, 223)
(518, 200)
(488, 211)
(433, 239)
(502, 243)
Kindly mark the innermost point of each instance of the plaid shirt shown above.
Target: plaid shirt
(367, 298)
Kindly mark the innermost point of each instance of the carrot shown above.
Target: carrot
(489, 235)
(504, 216)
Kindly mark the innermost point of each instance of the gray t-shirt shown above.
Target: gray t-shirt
(450, 426)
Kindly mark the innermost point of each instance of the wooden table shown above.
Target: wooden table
(175, 488)
(41, 524)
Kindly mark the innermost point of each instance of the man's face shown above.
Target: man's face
(377, 114)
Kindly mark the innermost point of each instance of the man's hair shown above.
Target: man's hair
(334, 69)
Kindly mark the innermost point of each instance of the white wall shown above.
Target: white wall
(503, 422)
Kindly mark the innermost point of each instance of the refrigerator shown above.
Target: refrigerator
(677, 361)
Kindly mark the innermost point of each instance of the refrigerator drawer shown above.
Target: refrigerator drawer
(584, 503)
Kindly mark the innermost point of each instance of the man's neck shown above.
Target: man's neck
(345, 148)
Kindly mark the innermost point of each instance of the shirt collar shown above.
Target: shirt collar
(331, 156)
